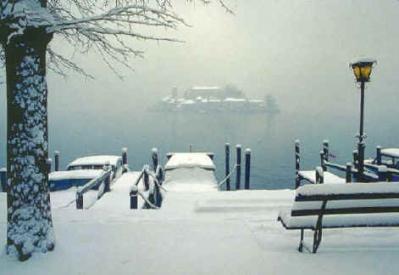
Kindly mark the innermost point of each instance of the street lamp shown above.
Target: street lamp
(362, 71)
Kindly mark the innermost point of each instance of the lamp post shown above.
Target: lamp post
(362, 71)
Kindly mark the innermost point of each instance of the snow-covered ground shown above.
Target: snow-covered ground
(207, 232)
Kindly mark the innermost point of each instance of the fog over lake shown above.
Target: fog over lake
(298, 51)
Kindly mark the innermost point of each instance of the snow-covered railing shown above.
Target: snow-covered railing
(102, 182)
(3, 179)
(154, 198)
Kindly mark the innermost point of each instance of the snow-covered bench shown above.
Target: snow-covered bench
(322, 206)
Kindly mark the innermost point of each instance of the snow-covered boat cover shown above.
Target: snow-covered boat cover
(95, 160)
(75, 174)
(190, 160)
(392, 152)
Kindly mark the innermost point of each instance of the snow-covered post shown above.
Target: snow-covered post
(238, 165)
(323, 161)
(355, 158)
(155, 158)
(319, 175)
(297, 163)
(247, 167)
(227, 165)
(326, 149)
(124, 156)
(382, 173)
(107, 180)
(56, 161)
(133, 197)
(348, 173)
(146, 179)
(378, 155)
(3, 179)
(79, 201)
(48, 163)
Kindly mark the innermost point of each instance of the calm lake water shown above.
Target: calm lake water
(271, 138)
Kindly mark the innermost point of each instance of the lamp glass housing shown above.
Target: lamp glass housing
(362, 70)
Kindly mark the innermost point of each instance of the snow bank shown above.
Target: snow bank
(75, 174)
(392, 152)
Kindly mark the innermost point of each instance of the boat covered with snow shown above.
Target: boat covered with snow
(190, 172)
(82, 170)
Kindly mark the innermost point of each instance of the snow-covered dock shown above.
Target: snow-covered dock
(206, 232)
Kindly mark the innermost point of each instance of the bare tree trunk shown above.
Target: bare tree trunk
(30, 225)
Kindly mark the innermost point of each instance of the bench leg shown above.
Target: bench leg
(317, 239)
(300, 248)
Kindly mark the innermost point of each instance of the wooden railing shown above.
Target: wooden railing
(154, 198)
(102, 182)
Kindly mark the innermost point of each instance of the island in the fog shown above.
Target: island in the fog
(204, 99)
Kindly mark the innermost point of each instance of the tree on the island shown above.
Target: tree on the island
(26, 29)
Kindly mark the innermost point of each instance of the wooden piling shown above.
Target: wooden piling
(56, 161)
(238, 169)
(355, 158)
(348, 172)
(382, 173)
(247, 168)
(326, 150)
(124, 156)
(227, 165)
(323, 161)
(133, 198)
(155, 158)
(146, 180)
(319, 175)
(79, 201)
(3, 179)
(297, 163)
(48, 163)
(107, 180)
(378, 155)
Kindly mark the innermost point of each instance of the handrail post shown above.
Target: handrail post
(48, 163)
(56, 161)
(227, 165)
(323, 161)
(355, 164)
(247, 167)
(146, 179)
(326, 150)
(107, 180)
(155, 158)
(133, 197)
(348, 173)
(238, 169)
(3, 179)
(297, 163)
(79, 201)
(379, 156)
(319, 175)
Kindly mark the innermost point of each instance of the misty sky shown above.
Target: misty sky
(298, 50)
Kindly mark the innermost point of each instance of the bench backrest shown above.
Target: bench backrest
(351, 198)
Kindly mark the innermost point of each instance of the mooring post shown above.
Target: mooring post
(378, 155)
(355, 158)
(348, 172)
(319, 175)
(297, 163)
(227, 165)
(124, 156)
(155, 158)
(56, 161)
(323, 161)
(133, 197)
(3, 179)
(107, 180)
(79, 201)
(247, 167)
(48, 163)
(146, 179)
(326, 150)
(238, 169)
